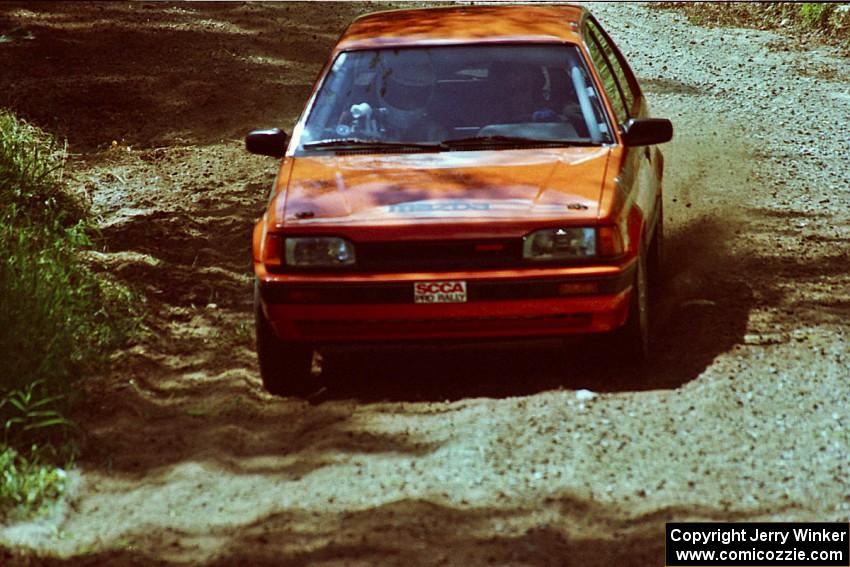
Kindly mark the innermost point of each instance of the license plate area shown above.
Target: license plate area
(449, 291)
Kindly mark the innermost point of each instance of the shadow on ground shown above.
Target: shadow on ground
(702, 311)
(421, 532)
(194, 385)
(125, 72)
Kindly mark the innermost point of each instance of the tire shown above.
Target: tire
(285, 367)
(636, 337)
(656, 255)
(633, 340)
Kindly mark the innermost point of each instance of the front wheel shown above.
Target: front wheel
(285, 367)
(633, 339)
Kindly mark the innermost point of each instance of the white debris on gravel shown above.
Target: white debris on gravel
(585, 395)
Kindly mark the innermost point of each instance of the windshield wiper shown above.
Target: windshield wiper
(513, 141)
(359, 144)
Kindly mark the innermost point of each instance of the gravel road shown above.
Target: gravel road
(509, 454)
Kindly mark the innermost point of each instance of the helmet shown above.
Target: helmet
(407, 85)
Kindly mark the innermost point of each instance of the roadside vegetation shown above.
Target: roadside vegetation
(805, 21)
(58, 319)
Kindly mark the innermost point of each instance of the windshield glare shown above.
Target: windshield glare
(436, 94)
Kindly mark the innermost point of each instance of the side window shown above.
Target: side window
(622, 75)
(609, 80)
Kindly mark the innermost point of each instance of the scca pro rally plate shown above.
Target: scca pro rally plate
(439, 292)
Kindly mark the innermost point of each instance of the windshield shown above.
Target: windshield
(433, 95)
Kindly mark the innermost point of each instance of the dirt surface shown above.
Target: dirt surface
(460, 455)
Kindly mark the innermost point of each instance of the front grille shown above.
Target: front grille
(437, 256)
(398, 293)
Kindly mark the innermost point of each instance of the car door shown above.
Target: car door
(619, 83)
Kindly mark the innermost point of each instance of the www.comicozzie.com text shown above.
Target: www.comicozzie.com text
(743, 534)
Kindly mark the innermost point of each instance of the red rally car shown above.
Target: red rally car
(462, 172)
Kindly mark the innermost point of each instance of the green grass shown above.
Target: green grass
(58, 319)
(31, 474)
(31, 163)
(815, 15)
(27, 484)
(55, 314)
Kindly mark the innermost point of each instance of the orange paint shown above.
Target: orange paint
(490, 198)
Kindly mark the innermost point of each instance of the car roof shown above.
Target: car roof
(464, 24)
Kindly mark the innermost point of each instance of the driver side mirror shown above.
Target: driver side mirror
(267, 142)
(647, 131)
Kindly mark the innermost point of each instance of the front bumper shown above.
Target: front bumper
(370, 307)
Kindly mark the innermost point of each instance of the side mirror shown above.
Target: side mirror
(267, 142)
(647, 131)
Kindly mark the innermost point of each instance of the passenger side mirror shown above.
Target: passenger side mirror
(647, 131)
(267, 142)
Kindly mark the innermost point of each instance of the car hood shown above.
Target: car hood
(379, 189)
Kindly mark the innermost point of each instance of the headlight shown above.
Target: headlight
(560, 244)
(318, 252)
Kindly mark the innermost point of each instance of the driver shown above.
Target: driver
(519, 99)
